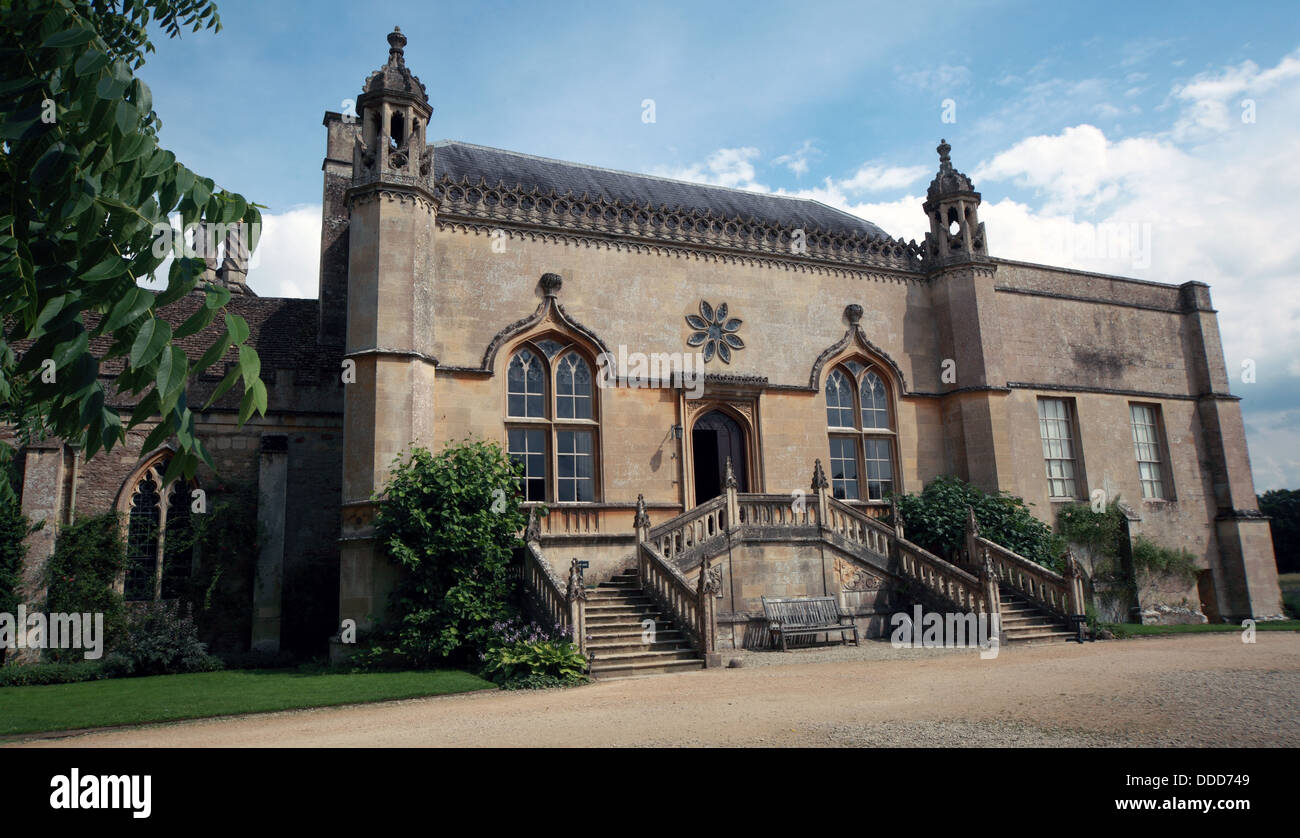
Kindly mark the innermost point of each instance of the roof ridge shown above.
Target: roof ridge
(695, 183)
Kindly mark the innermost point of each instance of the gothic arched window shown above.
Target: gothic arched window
(551, 421)
(159, 545)
(861, 428)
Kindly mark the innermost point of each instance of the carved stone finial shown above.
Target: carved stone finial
(576, 590)
(551, 284)
(642, 519)
(730, 481)
(1071, 564)
(819, 476)
(533, 532)
(853, 312)
(895, 512)
(943, 150)
(972, 525)
(396, 43)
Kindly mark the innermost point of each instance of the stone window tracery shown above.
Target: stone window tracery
(861, 429)
(552, 426)
(160, 553)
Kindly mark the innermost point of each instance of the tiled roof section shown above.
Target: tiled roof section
(459, 161)
(282, 330)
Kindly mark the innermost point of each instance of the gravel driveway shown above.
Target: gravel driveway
(1186, 690)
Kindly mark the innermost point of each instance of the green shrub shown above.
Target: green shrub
(528, 656)
(14, 527)
(936, 520)
(88, 558)
(1101, 531)
(162, 639)
(1282, 506)
(225, 540)
(450, 522)
(1152, 559)
(40, 674)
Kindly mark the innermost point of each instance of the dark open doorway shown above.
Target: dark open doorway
(715, 437)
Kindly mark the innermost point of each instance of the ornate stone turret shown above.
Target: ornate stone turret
(391, 217)
(394, 112)
(956, 234)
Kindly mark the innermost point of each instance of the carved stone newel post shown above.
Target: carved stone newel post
(706, 611)
(819, 487)
(576, 595)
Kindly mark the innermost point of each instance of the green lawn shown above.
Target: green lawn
(170, 697)
(1132, 630)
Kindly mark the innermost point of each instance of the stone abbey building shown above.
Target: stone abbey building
(551, 306)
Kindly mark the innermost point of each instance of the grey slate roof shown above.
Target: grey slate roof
(457, 160)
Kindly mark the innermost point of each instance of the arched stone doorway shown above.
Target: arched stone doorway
(715, 436)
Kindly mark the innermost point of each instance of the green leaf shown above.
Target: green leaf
(254, 399)
(69, 38)
(250, 366)
(237, 327)
(154, 335)
(128, 309)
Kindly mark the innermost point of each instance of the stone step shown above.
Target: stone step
(637, 670)
(633, 646)
(1038, 635)
(619, 609)
(606, 634)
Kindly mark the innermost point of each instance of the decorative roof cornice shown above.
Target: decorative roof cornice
(682, 251)
(681, 227)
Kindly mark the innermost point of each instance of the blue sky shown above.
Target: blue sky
(1077, 124)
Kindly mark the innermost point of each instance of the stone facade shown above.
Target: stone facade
(441, 263)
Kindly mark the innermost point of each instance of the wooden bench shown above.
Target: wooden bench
(796, 616)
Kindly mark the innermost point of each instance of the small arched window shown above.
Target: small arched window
(159, 541)
(551, 421)
(861, 430)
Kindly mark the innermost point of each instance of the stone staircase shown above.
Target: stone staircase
(615, 610)
(1023, 621)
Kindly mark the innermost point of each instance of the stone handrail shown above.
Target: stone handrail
(1062, 595)
(964, 590)
(691, 528)
(776, 510)
(693, 607)
(563, 604)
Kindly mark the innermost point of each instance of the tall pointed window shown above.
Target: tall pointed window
(551, 422)
(861, 428)
(160, 551)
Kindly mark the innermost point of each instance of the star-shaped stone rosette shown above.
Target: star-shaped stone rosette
(715, 332)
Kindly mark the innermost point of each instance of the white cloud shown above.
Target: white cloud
(944, 78)
(732, 167)
(879, 178)
(797, 161)
(287, 260)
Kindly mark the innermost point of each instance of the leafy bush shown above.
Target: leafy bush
(225, 540)
(528, 656)
(1283, 508)
(450, 522)
(162, 639)
(40, 674)
(1099, 531)
(936, 520)
(14, 527)
(88, 558)
(1154, 560)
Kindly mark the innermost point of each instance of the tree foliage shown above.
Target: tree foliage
(450, 522)
(1283, 506)
(936, 520)
(85, 193)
